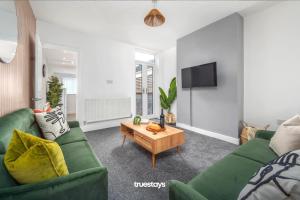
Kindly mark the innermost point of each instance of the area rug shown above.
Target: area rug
(131, 176)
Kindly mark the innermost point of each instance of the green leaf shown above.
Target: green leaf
(163, 94)
(163, 103)
(173, 82)
(163, 99)
(172, 91)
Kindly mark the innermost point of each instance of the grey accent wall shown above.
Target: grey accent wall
(217, 109)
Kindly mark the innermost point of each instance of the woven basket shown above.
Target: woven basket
(248, 132)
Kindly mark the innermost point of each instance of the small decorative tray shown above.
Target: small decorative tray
(154, 127)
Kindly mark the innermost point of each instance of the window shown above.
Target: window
(144, 57)
(144, 83)
(139, 89)
(70, 83)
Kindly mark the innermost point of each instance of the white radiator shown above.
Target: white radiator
(97, 110)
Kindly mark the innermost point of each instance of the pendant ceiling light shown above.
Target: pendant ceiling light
(154, 17)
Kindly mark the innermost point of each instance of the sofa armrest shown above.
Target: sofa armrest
(263, 134)
(73, 124)
(86, 184)
(181, 191)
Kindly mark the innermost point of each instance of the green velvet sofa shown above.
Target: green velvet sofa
(87, 179)
(225, 179)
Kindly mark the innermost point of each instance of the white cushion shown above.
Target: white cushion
(278, 180)
(287, 136)
(53, 124)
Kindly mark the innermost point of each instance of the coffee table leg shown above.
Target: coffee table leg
(124, 138)
(153, 160)
(178, 149)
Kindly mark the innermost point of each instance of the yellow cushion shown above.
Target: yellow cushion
(30, 159)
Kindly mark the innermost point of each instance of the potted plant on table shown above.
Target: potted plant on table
(166, 101)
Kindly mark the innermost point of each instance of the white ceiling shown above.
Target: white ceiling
(123, 20)
(60, 57)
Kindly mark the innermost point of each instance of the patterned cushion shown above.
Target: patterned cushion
(53, 124)
(280, 179)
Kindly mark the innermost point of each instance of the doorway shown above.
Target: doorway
(63, 63)
(144, 84)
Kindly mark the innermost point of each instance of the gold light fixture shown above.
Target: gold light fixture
(154, 17)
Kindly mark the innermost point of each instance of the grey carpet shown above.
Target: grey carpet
(131, 163)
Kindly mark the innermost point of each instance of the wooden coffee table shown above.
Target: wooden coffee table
(154, 142)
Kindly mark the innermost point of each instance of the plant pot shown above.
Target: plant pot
(170, 118)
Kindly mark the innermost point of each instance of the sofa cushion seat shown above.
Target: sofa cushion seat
(6, 180)
(74, 135)
(257, 150)
(79, 156)
(225, 179)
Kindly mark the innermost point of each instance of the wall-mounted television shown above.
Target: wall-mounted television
(199, 76)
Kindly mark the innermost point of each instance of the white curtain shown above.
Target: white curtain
(70, 84)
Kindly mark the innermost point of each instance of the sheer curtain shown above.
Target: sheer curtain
(70, 84)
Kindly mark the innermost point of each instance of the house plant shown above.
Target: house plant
(166, 101)
(55, 89)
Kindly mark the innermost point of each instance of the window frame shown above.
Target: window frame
(154, 71)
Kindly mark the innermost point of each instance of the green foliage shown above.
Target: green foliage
(166, 101)
(137, 120)
(163, 99)
(54, 93)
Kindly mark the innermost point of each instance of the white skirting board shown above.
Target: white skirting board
(209, 133)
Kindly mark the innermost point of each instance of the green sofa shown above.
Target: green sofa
(87, 179)
(225, 179)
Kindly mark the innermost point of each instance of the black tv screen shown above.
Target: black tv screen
(186, 77)
(200, 76)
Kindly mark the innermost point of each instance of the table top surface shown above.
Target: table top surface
(169, 130)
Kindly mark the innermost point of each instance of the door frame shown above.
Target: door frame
(153, 115)
(78, 75)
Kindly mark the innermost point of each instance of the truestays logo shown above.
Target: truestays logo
(151, 184)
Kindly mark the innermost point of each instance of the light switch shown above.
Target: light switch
(109, 81)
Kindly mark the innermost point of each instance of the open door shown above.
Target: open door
(40, 75)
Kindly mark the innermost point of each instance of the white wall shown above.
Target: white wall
(167, 71)
(99, 60)
(71, 103)
(272, 66)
